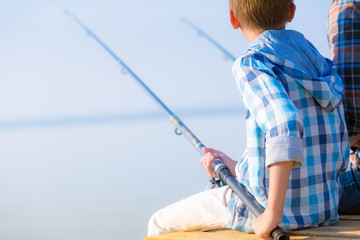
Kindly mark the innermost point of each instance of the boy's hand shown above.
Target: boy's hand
(210, 156)
(272, 216)
(265, 223)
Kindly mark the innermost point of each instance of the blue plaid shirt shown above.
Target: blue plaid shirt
(294, 111)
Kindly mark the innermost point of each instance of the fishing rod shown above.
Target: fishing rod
(222, 171)
(207, 37)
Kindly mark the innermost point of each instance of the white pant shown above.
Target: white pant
(205, 210)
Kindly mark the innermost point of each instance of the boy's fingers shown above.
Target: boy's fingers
(216, 153)
(266, 237)
(207, 150)
(207, 159)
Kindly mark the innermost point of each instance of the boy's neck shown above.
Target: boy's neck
(251, 34)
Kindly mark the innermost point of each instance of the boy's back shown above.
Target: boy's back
(292, 95)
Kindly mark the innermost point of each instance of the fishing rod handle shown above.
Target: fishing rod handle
(279, 234)
(224, 173)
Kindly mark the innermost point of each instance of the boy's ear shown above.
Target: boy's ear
(233, 20)
(291, 12)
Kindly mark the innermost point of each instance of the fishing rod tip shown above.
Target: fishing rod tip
(61, 7)
(178, 16)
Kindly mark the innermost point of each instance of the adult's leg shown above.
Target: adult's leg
(350, 195)
(204, 210)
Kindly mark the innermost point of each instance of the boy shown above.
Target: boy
(297, 141)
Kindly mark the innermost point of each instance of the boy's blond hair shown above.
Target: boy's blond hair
(261, 14)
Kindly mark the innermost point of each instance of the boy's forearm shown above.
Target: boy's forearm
(279, 179)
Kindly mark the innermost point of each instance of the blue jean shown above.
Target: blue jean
(350, 196)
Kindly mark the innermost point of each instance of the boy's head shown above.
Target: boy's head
(262, 14)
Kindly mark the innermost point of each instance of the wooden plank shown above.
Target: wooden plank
(225, 234)
(228, 235)
(348, 228)
(350, 217)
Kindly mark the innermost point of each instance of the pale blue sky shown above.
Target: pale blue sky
(103, 181)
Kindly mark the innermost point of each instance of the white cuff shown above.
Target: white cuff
(283, 149)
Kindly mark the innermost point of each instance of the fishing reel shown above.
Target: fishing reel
(216, 183)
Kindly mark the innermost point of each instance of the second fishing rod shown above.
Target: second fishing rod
(221, 169)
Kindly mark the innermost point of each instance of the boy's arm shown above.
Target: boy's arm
(278, 182)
